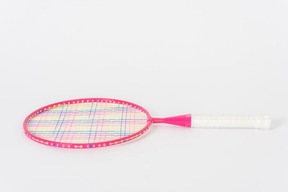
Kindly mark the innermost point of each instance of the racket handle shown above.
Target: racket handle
(231, 121)
(218, 121)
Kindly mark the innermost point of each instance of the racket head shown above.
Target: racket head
(87, 123)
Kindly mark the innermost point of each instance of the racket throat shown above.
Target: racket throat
(182, 120)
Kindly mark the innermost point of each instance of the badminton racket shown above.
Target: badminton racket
(100, 122)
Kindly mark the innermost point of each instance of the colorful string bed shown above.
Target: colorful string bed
(86, 123)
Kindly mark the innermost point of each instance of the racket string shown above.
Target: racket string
(88, 122)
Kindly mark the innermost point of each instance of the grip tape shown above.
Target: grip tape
(231, 121)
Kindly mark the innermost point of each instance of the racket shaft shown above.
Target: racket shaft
(231, 121)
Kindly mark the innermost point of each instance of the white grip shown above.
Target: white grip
(231, 121)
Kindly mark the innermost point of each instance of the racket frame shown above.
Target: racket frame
(86, 145)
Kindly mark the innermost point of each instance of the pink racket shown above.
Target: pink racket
(99, 122)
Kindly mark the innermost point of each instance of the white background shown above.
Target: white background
(172, 57)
